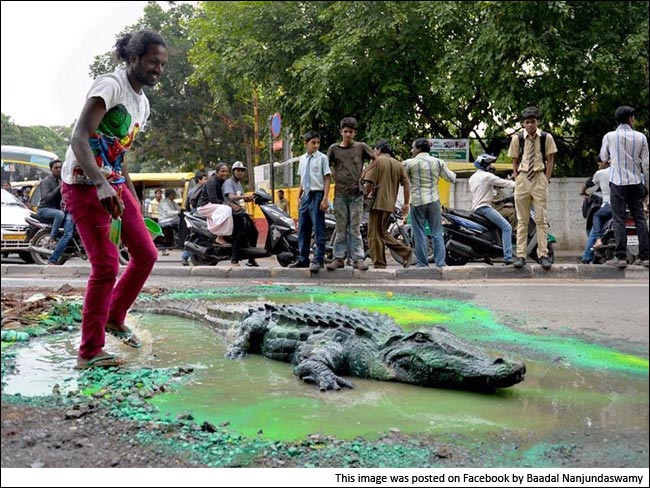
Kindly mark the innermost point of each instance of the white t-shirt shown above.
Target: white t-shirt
(482, 184)
(126, 114)
(601, 182)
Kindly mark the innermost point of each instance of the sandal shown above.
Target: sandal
(100, 361)
(126, 336)
(222, 242)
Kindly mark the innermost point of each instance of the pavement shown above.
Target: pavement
(565, 268)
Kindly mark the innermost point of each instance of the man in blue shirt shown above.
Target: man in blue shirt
(314, 170)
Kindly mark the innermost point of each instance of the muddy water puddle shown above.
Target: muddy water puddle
(259, 394)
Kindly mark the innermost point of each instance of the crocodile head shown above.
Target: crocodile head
(436, 358)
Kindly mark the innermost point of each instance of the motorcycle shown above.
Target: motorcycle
(281, 238)
(401, 231)
(38, 235)
(606, 251)
(590, 205)
(470, 237)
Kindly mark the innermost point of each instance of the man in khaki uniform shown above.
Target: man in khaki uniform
(532, 176)
(383, 178)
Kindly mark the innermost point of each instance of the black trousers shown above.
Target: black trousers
(632, 196)
(244, 234)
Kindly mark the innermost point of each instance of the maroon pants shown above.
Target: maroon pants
(106, 301)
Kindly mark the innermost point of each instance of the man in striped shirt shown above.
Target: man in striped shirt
(424, 171)
(627, 150)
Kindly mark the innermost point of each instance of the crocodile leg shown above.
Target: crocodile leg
(315, 372)
(317, 365)
(255, 324)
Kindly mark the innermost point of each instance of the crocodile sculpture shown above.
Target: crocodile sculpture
(324, 342)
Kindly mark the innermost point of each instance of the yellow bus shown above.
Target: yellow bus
(21, 164)
(24, 168)
(146, 185)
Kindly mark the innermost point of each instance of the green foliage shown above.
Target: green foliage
(443, 69)
(53, 139)
(185, 132)
(404, 69)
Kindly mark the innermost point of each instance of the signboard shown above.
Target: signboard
(276, 124)
(277, 145)
(262, 177)
(450, 150)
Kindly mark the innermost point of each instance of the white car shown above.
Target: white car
(14, 227)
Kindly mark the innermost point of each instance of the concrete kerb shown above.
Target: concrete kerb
(374, 274)
(414, 273)
(449, 273)
(209, 271)
(172, 271)
(297, 273)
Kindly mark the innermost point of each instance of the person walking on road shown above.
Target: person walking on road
(98, 192)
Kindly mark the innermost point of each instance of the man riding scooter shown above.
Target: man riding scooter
(244, 233)
(50, 208)
(482, 184)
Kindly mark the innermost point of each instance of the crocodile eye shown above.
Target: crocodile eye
(421, 338)
(404, 363)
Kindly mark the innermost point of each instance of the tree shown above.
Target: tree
(443, 69)
(55, 139)
(184, 132)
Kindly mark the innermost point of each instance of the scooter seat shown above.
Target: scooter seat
(474, 217)
(466, 214)
(43, 220)
(483, 221)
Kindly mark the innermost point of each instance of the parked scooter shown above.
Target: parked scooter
(606, 251)
(471, 237)
(281, 239)
(38, 235)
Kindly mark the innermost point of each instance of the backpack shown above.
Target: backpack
(542, 146)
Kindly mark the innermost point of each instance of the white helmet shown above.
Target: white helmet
(238, 165)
